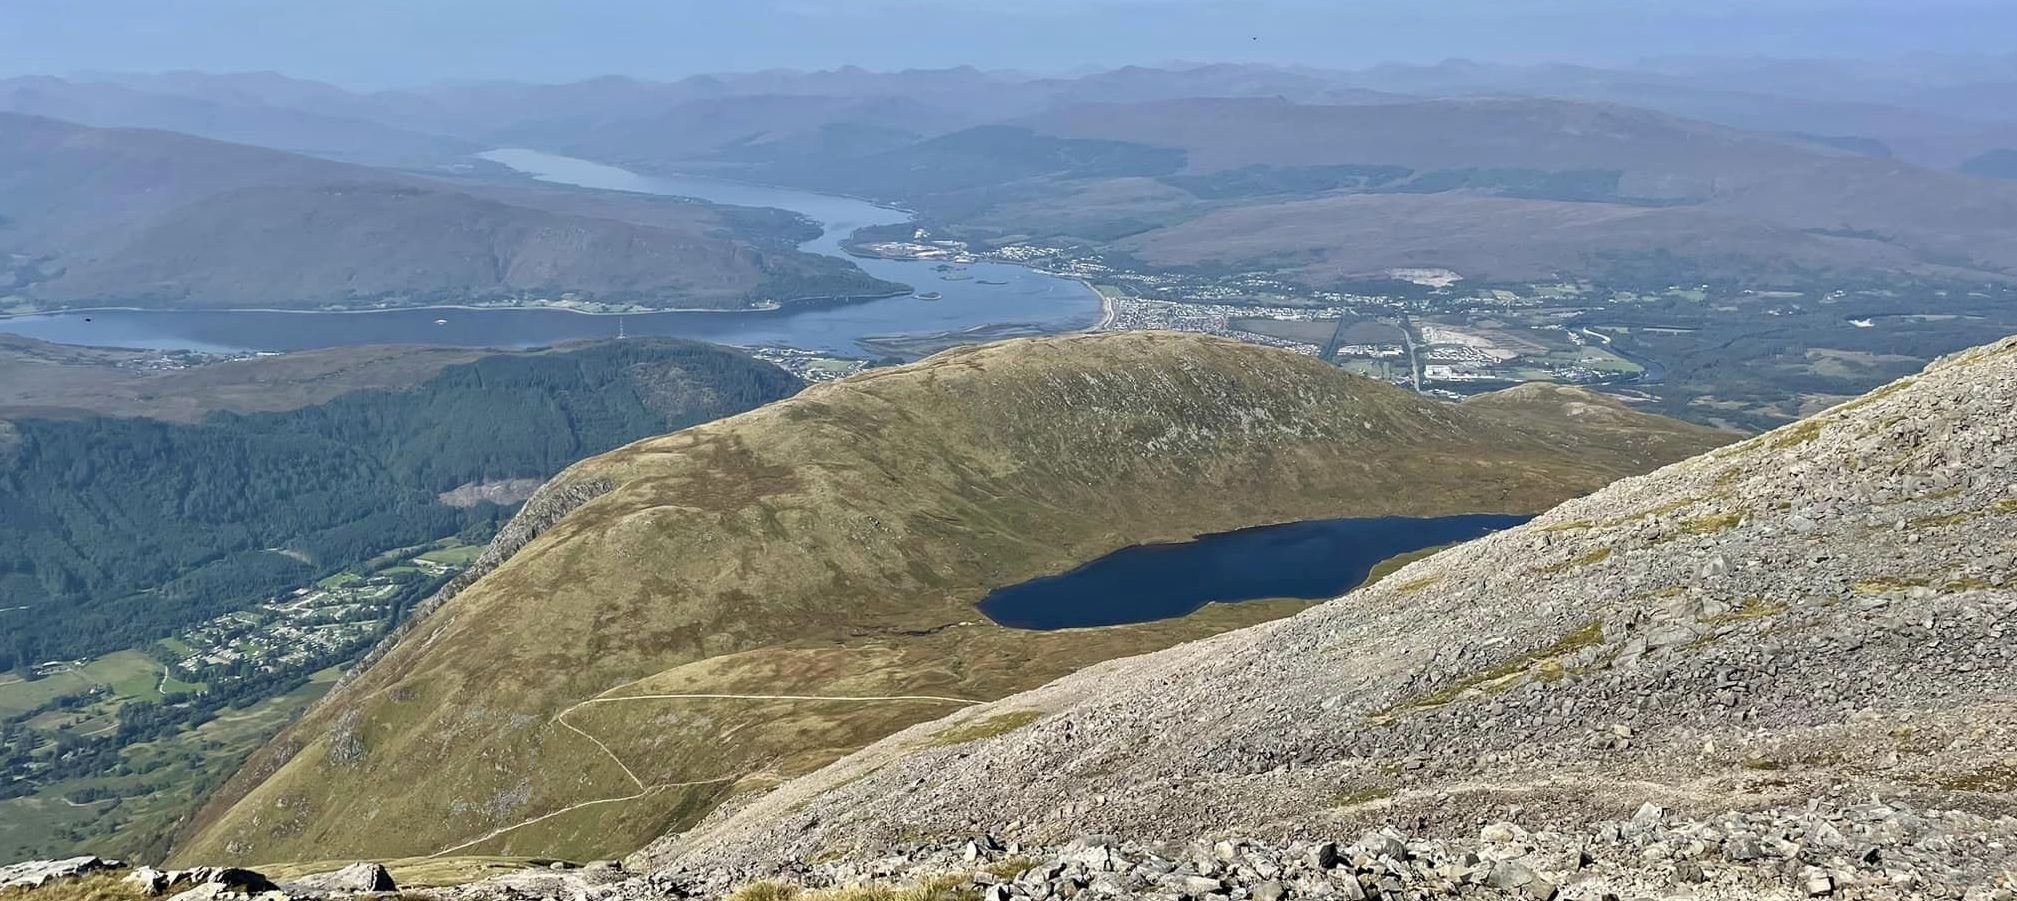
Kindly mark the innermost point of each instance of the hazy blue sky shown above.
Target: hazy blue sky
(393, 42)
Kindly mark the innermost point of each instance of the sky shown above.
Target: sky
(389, 43)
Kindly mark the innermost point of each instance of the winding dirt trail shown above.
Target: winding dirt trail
(644, 789)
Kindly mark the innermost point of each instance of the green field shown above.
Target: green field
(163, 783)
(393, 556)
(176, 646)
(339, 580)
(454, 554)
(129, 674)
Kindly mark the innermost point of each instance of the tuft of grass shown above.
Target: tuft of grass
(1395, 563)
(1587, 558)
(1505, 675)
(1363, 795)
(2006, 505)
(1672, 506)
(938, 888)
(108, 885)
(1797, 434)
(1710, 525)
(1887, 583)
(766, 890)
(986, 727)
(1747, 609)
(1570, 526)
(1413, 585)
(1995, 778)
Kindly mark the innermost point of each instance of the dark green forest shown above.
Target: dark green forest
(114, 532)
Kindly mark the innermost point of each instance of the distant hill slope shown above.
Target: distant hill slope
(1158, 164)
(1814, 621)
(44, 380)
(263, 109)
(119, 530)
(1684, 187)
(1542, 188)
(146, 218)
(651, 602)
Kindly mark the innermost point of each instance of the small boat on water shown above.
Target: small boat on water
(930, 295)
(440, 322)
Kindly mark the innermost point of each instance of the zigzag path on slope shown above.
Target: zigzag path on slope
(644, 789)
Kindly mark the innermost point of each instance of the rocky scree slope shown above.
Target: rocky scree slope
(1796, 650)
(572, 700)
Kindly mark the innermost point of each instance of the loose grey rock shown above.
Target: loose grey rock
(353, 879)
(35, 873)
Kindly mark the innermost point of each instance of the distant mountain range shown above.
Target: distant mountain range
(1687, 170)
(132, 217)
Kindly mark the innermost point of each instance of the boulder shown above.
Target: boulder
(147, 880)
(208, 883)
(353, 879)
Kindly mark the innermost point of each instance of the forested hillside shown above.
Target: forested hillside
(114, 531)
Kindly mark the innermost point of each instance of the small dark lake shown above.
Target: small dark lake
(1312, 560)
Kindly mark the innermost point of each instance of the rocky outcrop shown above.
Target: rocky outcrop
(1796, 650)
(198, 883)
(354, 879)
(1858, 850)
(35, 873)
(502, 491)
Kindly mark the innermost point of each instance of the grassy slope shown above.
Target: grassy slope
(836, 542)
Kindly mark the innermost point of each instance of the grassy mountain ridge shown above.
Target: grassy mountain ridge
(834, 544)
(1791, 627)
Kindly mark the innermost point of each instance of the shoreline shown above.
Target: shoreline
(841, 251)
(786, 306)
(1107, 312)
